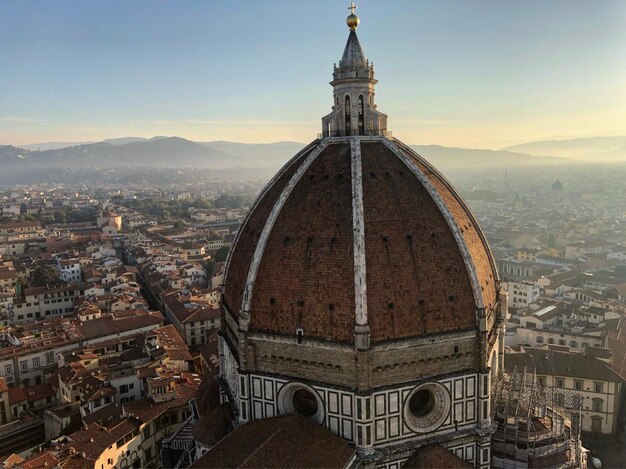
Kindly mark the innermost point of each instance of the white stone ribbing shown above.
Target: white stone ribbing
(269, 224)
(358, 233)
(458, 236)
(258, 200)
(447, 183)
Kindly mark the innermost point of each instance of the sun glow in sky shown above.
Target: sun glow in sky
(457, 73)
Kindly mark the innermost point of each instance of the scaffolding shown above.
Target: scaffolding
(535, 426)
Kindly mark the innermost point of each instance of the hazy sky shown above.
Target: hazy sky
(457, 73)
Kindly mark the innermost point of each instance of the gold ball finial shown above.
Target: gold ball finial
(352, 21)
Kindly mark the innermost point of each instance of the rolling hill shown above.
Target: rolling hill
(590, 149)
(176, 152)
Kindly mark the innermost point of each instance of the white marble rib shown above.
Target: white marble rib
(458, 236)
(358, 233)
(269, 224)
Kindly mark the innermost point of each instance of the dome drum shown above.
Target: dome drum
(384, 364)
(302, 399)
(427, 407)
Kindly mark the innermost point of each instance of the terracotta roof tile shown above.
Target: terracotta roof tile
(435, 457)
(39, 392)
(214, 426)
(17, 394)
(249, 233)
(417, 279)
(12, 461)
(45, 460)
(559, 363)
(308, 262)
(289, 441)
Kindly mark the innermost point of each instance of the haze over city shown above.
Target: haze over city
(467, 74)
(312, 234)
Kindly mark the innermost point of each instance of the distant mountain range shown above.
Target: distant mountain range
(589, 149)
(171, 152)
(157, 152)
(58, 145)
(176, 152)
(463, 159)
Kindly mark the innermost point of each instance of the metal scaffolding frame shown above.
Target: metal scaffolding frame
(534, 426)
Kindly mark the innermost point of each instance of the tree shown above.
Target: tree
(229, 201)
(44, 275)
(209, 268)
(179, 224)
(221, 254)
(60, 217)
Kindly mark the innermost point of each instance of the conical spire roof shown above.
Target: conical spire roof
(353, 56)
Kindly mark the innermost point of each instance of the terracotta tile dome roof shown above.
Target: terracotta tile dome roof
(359, 230)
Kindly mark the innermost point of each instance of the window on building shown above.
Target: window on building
(539, 339)
(598, 387)
(597, 404)
(8, 369)
(541, 380)
(596, 424)
(24, 365)
(559, 382)
(578, 384)
(36, 363)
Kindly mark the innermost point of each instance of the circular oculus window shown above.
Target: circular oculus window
(298, 398)
(426, 407)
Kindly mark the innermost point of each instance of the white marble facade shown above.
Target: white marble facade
(377, 420)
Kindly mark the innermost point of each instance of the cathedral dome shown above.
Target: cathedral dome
(360, 293)
(360, 231)
(557, 186)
